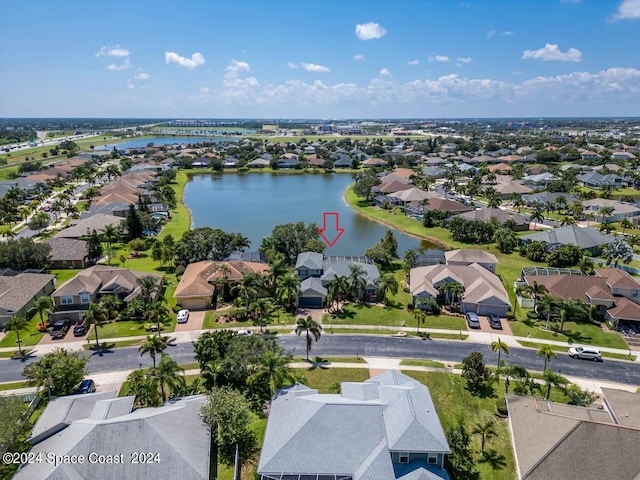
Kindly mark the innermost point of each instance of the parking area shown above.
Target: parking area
(196, 319)
(484, 326)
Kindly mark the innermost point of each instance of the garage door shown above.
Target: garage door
(310, 302)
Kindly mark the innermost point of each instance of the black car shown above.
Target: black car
(494, 321)
(87, 386)
(60, 328)
(79, 329)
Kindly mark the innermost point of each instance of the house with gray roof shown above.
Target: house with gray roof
(68, 253)
(597, 180)
(84, 227)
(519, 222)
(385, 428)
(18, 293)
(88, 425)
(315, 271)
(587, 238)
(619, 210)
(545, 198)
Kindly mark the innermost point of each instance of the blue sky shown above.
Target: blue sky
(330, 59)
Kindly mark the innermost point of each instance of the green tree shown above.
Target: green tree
(96, 315)
(287, 290)
(618, 251)
(475, 372)
(553, 379)
(228, 414)
(94, 247)
(499, 346)
(133, 223)
(571, 308)
(24, 253)
(273, 368)
(364, 183)
(153, 345)
(357, 282)
(60, 371)
(214, 368)
(39, 221)
(143, 385)
(261, 307)
(15, 424)
(460, 460)
(548, 353)
(290, 240)
(157, 312)
(625, 223)
(148, 289)
(409, 260)
(205, 243)
(579, 397)
(604, 211)
(110, 235)
(44, 305)
(486, 430)
(387, 285)
(16, 324)
(169, 374)
(537, 216)
(506, 239)
(419, 316)
(312, 331)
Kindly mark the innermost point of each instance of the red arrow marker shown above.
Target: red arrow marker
(330, 231)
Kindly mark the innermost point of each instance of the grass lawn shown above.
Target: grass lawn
(362, 314)
(324, 378)
(616, 356)
(273, 319)
(12, 385)
(455, 404)
(29, 336)
(423, 363)
(448, 336)
(121, 343)
(360, 331)
(63, 275)
(577, 333)
(329, 359)
(127, 328)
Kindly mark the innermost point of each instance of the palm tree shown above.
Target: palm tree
(589, 217)
(387, 284)
(617, 251)
(287, 289)
(153, 345)
(570, 308)
(537, 290)
(499, 346)
(537, 216)
(546, 304)
(566, 220)
(311, 329)
(157, 312)
(169, 373)
(625, 223)
(143, 386)
(109, 235)
(224, 271)
(420, 317)
(357, 282)
(338, 290)
(16, 324)
(214, 368)
(275, 367)
(554, 379)
(486, 430)
(148, 289)
(96, 316)
(604, 211)
(7, 232)
(261, 307)
(43, 304)
(452, 291)
(548, 353)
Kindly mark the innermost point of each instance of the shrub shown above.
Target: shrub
(180, 270)
(501, 407)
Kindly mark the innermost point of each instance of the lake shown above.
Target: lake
(252, 204)
(143, 142)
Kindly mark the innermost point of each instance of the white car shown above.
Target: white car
(245, 332)
(587, 353)
(183, 316)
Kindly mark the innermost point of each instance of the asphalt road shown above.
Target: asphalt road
(353, 345)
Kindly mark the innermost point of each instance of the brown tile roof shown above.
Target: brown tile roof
(624, 309)
(198, 278)
(617, 278)
(502, 216)
(499, 167)
(16, 291)
(572, 286)
(394, 186)
(469, 256)
(374, 161)
(446, 205)
(404, 172)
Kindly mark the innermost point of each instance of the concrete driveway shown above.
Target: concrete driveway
(196, 319)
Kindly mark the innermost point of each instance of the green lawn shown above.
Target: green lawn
(325, 378)
(577, 333)
(127, 328)
(330, 359)
(29, 336)
(274, 318)
(13, 385)
(455, 404)
(117, 344)
(63, 275)
(423, 363)
(616, 356)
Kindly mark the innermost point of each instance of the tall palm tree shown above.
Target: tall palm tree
(16, 324)
(420, 317)
(604, 211)
(169, 373)
(387, 285)
(7, 232)
(553, 379)
(486, 430)
(537, 216)
(275, 367)
(537, 290)
(570, 308)
(96, 315)
(499, 346)
(546, 304)
(451, 291)
(338, 290)
(224, 271)
(357, 282)
(287, 290)
(547, 352)
(43, 305)
(261, 306)
(157, 312)
(143, 386)
(312, 330)
(148, 289)
(109, 236)
(625, 223)
(215, 368)
(154, 345)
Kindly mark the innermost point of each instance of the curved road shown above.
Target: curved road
(359, 345)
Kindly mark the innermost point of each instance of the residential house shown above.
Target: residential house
(230, 162)
(430, 257)
(541, 179)
(259, 163)
(288, 161)
(197, 287)
(619, 211)
(597, 180)
(343, 161)
(506, 189)
(623, 156)
(587, 238)
(68, 253)
(552, 440)
(483, 294)
(19, 291)
(468, 256)
(315, 271)
(544, 198)
(435, 172)
(136, 444)
(374, 162)
(74, 296)
(589, 155)
(385, 428)
(117, 209)
(82, 228)
(500, 168)
(436, 203)
(520, 222)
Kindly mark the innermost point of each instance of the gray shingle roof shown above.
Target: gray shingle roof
(312, 284)
(310, 260)
(96, 222)
(584, 237)
(16, 291)
(342, 268)
(67, 248)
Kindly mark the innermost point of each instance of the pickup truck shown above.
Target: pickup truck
(60, 328)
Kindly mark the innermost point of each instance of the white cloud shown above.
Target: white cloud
(385, 72)
(238, 66)
(465, 59)
(438, 58)
(491, 33)
(370, 31)
(551, 53)
(292, 65)
(196, 59)
(116, 51)
(359, 58)
(628, 10)
(142, 76)
(116, 67)
(507, 33)
(312, 67)
(204, 90)
(413, 62)
(131, 85)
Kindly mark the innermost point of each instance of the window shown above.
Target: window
(403, 457)
(66, 300)
(85, 298)
(635, 294)
(432, 458)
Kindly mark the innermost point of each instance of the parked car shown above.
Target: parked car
(472, 320)
(79, 329)
(87, 386)
(60, 328)
(586, 353)
(245, 332)
(494, 321)
(183, 316)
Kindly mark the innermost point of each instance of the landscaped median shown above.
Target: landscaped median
(561, 349)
